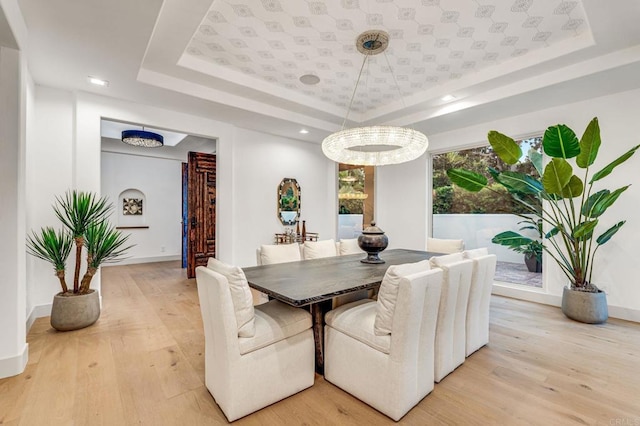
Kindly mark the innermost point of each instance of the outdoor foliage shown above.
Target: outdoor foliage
(351, 180)
(451, 199)
(572, 207)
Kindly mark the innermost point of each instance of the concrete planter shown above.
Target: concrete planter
(75, 311)
(590, 308)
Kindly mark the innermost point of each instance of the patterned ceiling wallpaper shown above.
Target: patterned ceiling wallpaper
(431, 41)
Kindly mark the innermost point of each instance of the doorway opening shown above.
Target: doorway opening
(156, 174)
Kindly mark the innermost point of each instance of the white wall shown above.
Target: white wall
(160, 182)
(13, 346)
(401, 203)
(49, 165)
(250, 166)
(477, 230)
(616, 262)
(260, 162)
(64, 153)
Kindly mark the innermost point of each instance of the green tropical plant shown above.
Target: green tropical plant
(54, 248)
(571, 207)
(521, 244)
(84, 217)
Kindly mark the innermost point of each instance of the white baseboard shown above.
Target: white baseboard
(14, 365)
(38, 311)
(624, 313)
(522, 293)
(135, 260)
(537, 296)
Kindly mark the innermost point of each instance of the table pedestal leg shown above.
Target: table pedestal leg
(317, 313)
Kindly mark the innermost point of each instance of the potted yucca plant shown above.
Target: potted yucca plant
(571, 210)
(85, 220)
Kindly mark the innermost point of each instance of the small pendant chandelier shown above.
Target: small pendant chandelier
(142, 138)
(374, 145)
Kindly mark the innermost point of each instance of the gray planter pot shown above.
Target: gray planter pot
(590, 308)
(75, 312)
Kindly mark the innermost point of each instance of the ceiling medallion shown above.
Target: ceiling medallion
(373, 145)
(372, 42)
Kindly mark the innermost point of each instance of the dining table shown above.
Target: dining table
(315, 282)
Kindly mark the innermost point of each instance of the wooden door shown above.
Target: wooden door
(185, 220)
(201, 207)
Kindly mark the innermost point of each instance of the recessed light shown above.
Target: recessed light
(304, 131)
(309, 79)
(98, 81)
(448, 98)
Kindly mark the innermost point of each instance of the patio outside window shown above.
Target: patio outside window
(478, 217)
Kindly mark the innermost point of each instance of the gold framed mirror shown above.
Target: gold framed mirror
(289, 201)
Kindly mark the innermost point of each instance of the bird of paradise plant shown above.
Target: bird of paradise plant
(572, 207)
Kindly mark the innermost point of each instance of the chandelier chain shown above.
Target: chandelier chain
(355, 89)
(395, 80)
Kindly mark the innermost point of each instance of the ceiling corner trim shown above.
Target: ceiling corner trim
(217, 96)
(224, 73)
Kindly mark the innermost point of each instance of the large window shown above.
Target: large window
(476, 217)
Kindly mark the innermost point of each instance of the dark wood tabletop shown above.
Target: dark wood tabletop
(307, 282)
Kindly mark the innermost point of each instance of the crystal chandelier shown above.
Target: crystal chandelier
(373, 145)
(142, 138)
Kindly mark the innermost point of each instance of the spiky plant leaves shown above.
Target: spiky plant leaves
(105, 244)
(77, 210)
(53, 247)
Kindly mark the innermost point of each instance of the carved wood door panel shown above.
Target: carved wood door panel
(201, 205)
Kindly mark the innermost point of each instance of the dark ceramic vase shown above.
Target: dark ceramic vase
(373, 241)
(532, 263)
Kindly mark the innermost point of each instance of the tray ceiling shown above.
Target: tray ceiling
(432, 42)
(240, 61)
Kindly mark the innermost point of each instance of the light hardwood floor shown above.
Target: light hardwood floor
(142, 363)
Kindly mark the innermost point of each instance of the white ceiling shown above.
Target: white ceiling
(432, 44)
(240, 60)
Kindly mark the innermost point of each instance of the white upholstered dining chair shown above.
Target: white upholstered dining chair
(452, 316)
(484, 269)
(319, 249)
(349, 246)
(253, 356)
(444, 246)
(269, 254)
(383, 352)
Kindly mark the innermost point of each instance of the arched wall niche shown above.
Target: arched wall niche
(131, 207)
